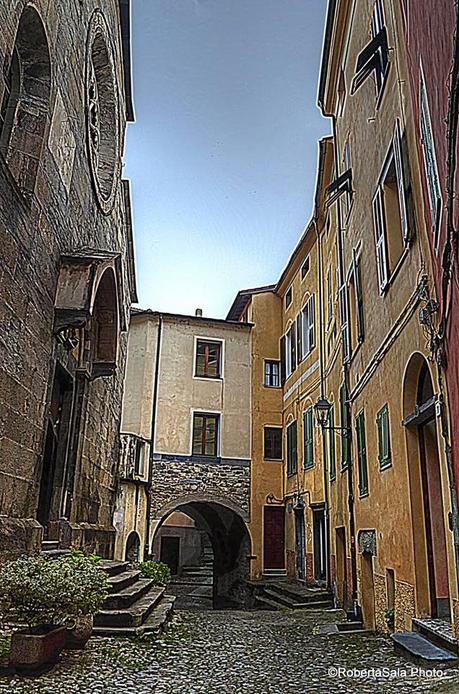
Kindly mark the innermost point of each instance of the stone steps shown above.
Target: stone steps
(418, 648)
(296, 597)
(265, 603)
(134, 606)
(131, 616)
(120, 581)
(153, 625)
(438, 631)
(129, 595)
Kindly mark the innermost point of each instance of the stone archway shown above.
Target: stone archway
(425, 479)
(230, 539)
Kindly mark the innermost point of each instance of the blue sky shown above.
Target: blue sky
(222, 157)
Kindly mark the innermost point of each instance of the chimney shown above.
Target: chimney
(198, 313)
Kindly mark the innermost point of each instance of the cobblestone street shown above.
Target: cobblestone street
(234, 652)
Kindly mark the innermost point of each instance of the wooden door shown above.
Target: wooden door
(274, 538)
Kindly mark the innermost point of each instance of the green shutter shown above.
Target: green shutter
(362, 454)
(344, 424)
(382, 420)
(331, 444)
(308, 438)
(291, 449)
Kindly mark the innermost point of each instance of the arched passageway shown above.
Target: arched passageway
(132, 552)
(427, 502)
(225, 543)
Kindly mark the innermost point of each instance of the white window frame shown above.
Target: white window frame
(288, 353)
(430, 159)
(204, 411)
(207, 338)
(308, 326)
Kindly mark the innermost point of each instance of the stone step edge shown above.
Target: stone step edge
(132, 616)
(149, 628)
(129, 595)
(420, 648)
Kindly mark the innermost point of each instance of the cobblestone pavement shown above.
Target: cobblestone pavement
(230, 652)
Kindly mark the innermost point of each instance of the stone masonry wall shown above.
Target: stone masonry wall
(61, 216)
(182, 477)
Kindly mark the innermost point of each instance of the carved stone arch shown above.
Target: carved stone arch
(105, 324)
(25, 108)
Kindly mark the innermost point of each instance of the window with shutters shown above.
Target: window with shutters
(374, 58)
(290, 350)
(362, 454)
(205, 434)
(345, 423)
(430, 161)
(346, 199)
(344, 319)
(331, 444)
(329, 296)
(308, 438)
(390, 218)
(308, 326)
(208, 359)
(272, 443)
(272, 374)
(305, 267)
(292, 462)
(382, 422)
(355, 303)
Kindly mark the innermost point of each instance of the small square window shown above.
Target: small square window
(288, 297)
(205, 434)
(208, 359)
(305, 268)
(273, 443)
(272, 374)
(139, 461)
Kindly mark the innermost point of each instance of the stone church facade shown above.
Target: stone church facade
(66, 268)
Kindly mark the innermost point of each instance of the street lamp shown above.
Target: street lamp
(322, 409)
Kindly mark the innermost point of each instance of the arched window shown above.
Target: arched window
(25, 106)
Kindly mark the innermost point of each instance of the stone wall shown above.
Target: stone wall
(176, 478)
(59, 214)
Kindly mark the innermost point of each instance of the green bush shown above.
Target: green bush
(157, 570)
(38, 591)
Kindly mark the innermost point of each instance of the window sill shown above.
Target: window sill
(273, 460)
(333, 479)
(385, 466)
(272, 387)
(308, 467)
(292, 474)
(208, 378)
(364, 494)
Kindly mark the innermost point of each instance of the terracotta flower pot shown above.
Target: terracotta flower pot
(32, 648)
(78, 635)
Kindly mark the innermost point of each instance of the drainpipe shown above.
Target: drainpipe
(146, 551)
(322, 377)
(350, 477)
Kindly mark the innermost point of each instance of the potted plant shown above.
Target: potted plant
(389, 616)
(87, 589)
(157, 570)
(31, 596)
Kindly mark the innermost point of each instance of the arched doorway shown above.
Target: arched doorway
(226, 539)
(132, 552)
(429, 532)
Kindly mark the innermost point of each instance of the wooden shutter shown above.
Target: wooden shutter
(344, 311)
(401, 183)
(299, 336)
(312, 322)
(358, 296)
(362, 454)
(344, 424)
(380, 239)
(293, 346)
(308, 438)
(282, 353)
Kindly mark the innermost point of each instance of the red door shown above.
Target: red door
(274, 538)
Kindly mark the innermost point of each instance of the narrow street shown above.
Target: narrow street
(226, 652)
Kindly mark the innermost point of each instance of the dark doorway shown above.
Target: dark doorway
(341, 584)
(55, 449)
(320, 545)
(133, 547)
(300, 543)
(170, 553)
(274, 538)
